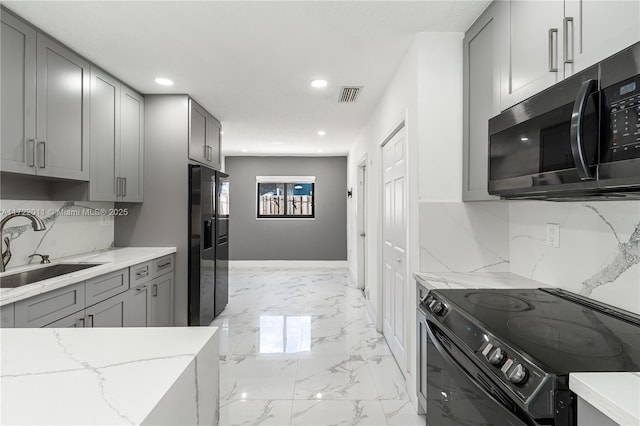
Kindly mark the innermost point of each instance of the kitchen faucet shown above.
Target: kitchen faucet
(36, 223)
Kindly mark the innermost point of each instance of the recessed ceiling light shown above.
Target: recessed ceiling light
(222, 132)
(244, 150)
(164, 81)
(277, 143)
(524, 139)
(319, 84)
(319, 150)
(321, 133)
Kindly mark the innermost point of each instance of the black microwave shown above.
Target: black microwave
(579, 138)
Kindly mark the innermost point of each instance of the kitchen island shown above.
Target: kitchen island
(109, 376)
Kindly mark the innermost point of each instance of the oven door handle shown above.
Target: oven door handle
(451, 359)
(577, 121)
(455, 363)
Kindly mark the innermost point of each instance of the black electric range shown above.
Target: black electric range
(503, 357)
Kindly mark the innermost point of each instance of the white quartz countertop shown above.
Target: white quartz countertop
(475, 280)
(616, 395)
(109, 260)
(102, 375)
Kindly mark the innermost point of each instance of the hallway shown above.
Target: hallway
(298, 348)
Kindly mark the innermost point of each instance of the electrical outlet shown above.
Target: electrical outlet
(553, 235)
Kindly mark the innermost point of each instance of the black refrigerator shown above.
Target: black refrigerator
(208, 244)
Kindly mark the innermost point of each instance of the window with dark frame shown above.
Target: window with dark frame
(286, 200)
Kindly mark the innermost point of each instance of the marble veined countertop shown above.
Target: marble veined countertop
(110, 260)
(616, 395)
(109, 376)
(475, 280)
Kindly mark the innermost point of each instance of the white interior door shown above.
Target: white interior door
(394, 282)
(362, 226)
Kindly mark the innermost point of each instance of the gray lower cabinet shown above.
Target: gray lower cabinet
(161, 301)
(109, 313)
(138, 306)
(39, 74)
(105, 286)
(76, 320)
(481, 97)
(139, 296)
(6, 316)
(48, 307)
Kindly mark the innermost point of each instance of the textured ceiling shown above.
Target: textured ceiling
(250, 62)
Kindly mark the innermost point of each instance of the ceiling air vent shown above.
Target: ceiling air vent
(349, 94)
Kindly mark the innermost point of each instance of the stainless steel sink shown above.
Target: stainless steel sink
(35, 275)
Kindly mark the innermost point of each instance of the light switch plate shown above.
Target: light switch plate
(553, 235)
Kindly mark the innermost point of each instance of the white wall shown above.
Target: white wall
(426, 93)
(72, 228)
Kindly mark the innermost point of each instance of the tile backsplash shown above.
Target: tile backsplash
(598, 255)
(599, 252)
(464, 237)
(72, 228)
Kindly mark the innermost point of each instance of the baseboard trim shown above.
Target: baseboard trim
(235, 264)
(353, 277)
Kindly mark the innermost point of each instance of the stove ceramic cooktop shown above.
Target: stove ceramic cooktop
(563, 335)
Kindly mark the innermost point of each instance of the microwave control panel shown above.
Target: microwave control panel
(623, 102)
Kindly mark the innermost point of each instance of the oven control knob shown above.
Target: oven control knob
(437, 307)
(518, 375)
(497, 357)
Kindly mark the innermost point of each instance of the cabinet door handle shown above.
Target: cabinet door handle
(141, 274)
(44, 153)
(155, 290)
(139, 289)
(565, 46)
(117, 187)
(552, 67)
(124, 187)
(164, 265)
(206, 152)
(80, 323)
(91, 318)
(33, 151)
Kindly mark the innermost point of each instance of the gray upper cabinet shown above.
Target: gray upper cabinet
(533, 59)
(598, 29)
(482, 49)
(18, 100)
(214, 141)
(131, 145)
(204, 136)
(62, 110)
(117, 141)
(105, 137)
(553, 39)
(198, 150)
(45, 105)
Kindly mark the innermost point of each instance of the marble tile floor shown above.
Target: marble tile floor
(298, 348)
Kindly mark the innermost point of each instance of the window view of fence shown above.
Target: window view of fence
(285, 199)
